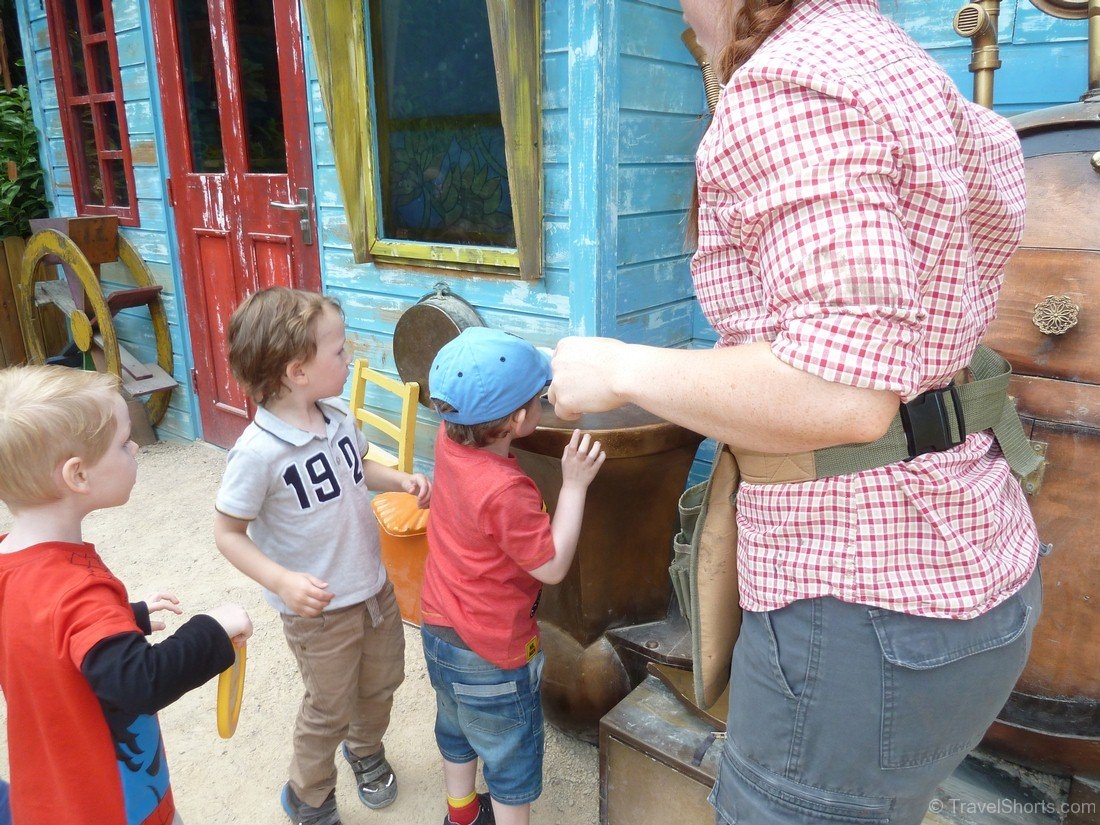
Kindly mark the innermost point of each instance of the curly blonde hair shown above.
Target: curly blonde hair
(270, 329)
(48, 415)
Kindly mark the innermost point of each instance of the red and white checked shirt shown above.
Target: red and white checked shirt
(857, 212)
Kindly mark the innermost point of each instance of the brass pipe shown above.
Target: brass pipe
(978, 21)
(1094, 51)
(710, 81)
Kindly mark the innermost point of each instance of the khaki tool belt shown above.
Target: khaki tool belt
(936, 420)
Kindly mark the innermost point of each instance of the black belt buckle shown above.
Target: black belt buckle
(926, 424)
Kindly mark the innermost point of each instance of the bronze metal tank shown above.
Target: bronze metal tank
(620, 575)
(1048, 327)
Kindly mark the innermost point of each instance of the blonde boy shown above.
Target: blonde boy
(81, 682)
(293, 513)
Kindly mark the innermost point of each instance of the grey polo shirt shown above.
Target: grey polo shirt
(306, 502)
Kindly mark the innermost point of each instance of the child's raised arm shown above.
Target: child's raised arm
(580, 462)
(306, 595)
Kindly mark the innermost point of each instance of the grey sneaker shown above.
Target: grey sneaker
(484, 817)
(302, 814)
(376, 783)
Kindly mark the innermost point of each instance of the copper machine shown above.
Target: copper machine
(1048, 328)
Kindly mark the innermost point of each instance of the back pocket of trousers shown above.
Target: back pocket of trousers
(945, 680)
(492, 708)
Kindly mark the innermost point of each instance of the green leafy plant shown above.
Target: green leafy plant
(22, 190)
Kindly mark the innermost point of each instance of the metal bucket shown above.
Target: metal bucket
(424, 328)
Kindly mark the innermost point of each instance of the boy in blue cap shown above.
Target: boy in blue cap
(491, 547)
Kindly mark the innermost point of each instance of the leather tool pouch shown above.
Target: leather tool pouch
(704, 575)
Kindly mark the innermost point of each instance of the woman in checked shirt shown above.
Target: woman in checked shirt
(855, 213)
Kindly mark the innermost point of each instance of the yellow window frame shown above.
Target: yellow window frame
(339, 37)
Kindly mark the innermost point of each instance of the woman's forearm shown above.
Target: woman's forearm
(743, 396)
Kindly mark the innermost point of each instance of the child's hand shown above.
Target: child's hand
(420, 486)
(581, 460)
(234, 621)
(161, 601)
(306, 595)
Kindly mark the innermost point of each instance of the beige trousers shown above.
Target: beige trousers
(351, 661)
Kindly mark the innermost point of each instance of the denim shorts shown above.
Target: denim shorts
(843, 713)
(483, 711)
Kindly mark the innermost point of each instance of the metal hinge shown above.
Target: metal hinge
(195, 380)
(171, 192)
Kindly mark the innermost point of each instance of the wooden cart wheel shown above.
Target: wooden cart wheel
(157, 402)
(51, 242)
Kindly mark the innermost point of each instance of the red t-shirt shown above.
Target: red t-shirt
(488, 527)
(57, 601)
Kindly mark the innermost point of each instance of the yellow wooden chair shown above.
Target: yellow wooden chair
(402, 433)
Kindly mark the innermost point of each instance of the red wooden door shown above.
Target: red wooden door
(233, 90)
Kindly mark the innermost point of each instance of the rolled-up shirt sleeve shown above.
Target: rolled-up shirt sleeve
(818, 226)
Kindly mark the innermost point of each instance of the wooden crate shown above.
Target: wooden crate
(658, 762)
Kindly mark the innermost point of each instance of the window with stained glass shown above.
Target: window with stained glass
(442, 173)
(93, 118)
(434, 115)
(443, 79)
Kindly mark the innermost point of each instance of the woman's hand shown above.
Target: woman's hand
(585, 371)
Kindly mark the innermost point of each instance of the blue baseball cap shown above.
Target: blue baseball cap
(486, 374)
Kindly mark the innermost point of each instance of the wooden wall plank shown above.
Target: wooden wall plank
(655, 187)
(645, 30)
(653, 137)
(650, 237)
(555, 134)
(642, 285)
(663, 326)
(555, 81)
(593, 122)
(556, 190)
(12, 349)
(653, 86)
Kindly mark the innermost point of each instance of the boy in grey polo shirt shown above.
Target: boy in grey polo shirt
(293, 513)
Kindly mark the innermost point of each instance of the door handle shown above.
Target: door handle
(301, 207)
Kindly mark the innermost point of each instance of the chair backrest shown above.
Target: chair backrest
(403, 433)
